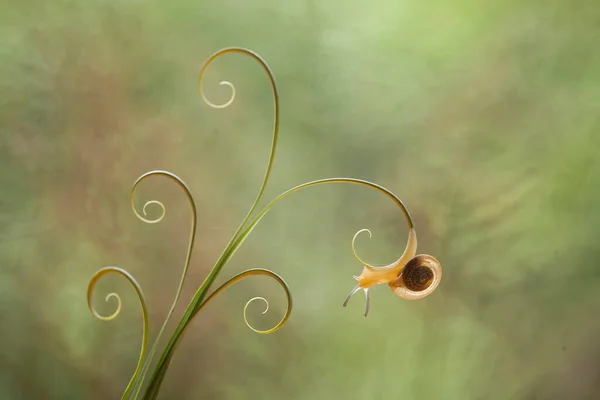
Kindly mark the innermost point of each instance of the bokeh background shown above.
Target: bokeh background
(482, 116)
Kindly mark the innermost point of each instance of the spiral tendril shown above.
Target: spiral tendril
(222, 83)
(140, 295)
(354, 248)
(275, 138)
(188, 195)
(246, 310)
(255, 272)
(151, 221)
(113, 315)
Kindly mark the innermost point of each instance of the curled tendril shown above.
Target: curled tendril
(140, 295)
(106, 299)
(188, 195)
(218, 54)
(354, 248)
(151, 221)
(222, 83)
(271, 77)
(246, 274)
(250, 302)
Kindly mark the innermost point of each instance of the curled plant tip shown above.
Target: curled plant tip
(140, 295)
(354, 248)
(222, 83)
(220, 53)
(246, 274)
(116, 313)
(246, 310)
(254, 299)
(151, 221)
(118, 271)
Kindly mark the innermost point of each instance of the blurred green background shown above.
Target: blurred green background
(482, 116)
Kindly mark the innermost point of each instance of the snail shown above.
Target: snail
(411, 277)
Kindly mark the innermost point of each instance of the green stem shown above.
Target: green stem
(201, 292)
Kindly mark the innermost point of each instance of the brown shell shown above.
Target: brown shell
(418, 279)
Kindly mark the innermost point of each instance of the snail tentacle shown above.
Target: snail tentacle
(352, 293)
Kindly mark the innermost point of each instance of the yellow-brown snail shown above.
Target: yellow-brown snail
(411, 277)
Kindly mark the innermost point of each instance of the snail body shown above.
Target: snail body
(410, 277)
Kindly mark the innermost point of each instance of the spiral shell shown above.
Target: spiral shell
(418, 279)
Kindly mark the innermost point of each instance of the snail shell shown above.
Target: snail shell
(418, 279)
